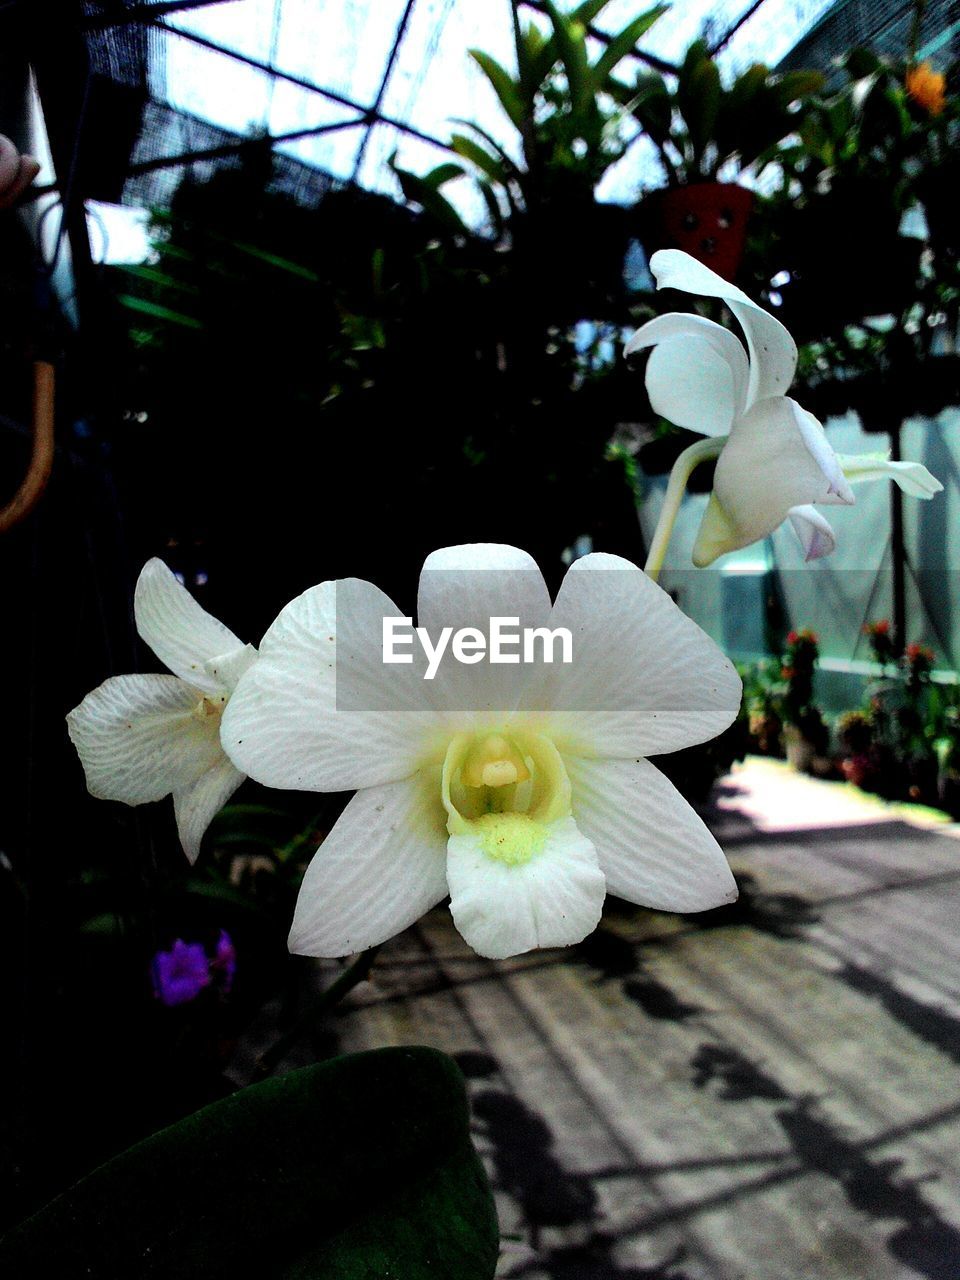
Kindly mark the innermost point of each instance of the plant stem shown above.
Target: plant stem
(358, 972)
(700, 451)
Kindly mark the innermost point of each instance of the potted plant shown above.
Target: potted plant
(855, 736)
(864, 156)
(947, 748)
(805, 734)
(564, 104)
(763, 698)
(706, 135)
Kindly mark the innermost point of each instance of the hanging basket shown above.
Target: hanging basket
(708, 220)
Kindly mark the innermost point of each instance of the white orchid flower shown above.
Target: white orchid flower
(143, 737)
(775, 462)
(521, 792)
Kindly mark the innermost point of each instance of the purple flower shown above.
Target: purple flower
(181, 974)
(225, 960)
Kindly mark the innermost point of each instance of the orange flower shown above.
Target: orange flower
(927, 88)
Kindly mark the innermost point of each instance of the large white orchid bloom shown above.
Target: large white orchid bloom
(143, 737)
(521, 792)
(775, 462)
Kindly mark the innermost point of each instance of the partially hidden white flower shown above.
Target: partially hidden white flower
(775, 462)
(143, 737)
(521, 792)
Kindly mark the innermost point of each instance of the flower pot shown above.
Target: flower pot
(708, 220)
(948, 791)
(856, 769)
(765, 733)
(800, 750)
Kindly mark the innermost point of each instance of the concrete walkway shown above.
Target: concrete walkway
(766, 1092)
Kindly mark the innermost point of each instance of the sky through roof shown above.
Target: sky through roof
(407, 61)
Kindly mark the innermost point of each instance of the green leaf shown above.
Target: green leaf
(358, 1169)
(478, 156)
(746, 87)
(587, 12)
(652, 106)
(491, 142)
(494, 212)
(860, 63)
(697, 53)
(506, 88)
(157, 312)
(699, 103)
(442, 173)
(419, 190)
(107, 925)
(571, 43)
(624, 42)
(796, 85)
(541, 54)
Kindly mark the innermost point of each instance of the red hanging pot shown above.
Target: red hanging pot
(708, 220)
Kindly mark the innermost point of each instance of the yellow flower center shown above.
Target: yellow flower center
(210, 705)
(505, 788)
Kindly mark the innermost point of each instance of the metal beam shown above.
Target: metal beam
(233, 148)
(385, 80)
(734, 27)
(341, 99)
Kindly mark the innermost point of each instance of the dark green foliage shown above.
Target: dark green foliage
(701, 127)
(360, 1169)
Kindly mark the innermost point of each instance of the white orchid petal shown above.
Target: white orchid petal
(467, 586)
(652, 847)
(227, 668)
(912, 477)
(815, 533)
(178, 630)
(644, 677)
(777, 458)
(197, 805)
(697, 375)
(320, 710)
(141, 737)
(552, 900)
(381, 867)
(773, 352)
(717, 535)
(691, 386)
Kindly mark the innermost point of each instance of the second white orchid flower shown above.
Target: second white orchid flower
(143, 737)
(774, 462)
(522, 793)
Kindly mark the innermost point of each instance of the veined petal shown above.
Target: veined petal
(717, 535)
(380, 868)
(777, 458)
(319, 710)
(652, 847)
(467, 586)
(552, 899)
(815, 533)
(912, 477)
(196, 806)
(697, 374)
(178, 630)
(773, 352)
(141, 737)
(644, 677)
(227, 668)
